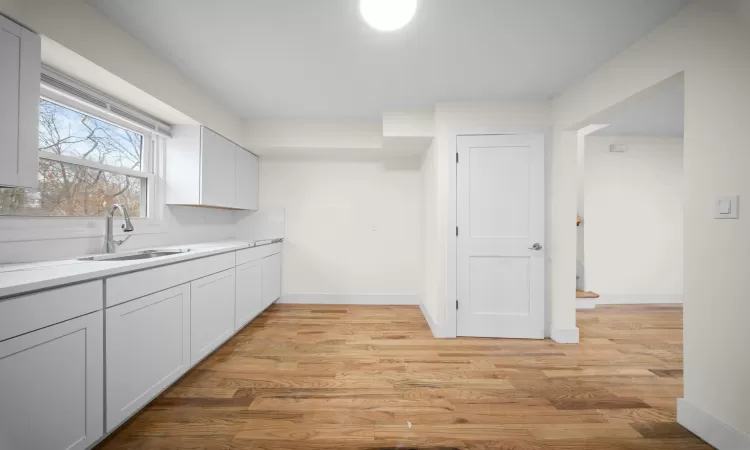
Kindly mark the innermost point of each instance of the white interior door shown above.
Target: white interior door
(500, 217)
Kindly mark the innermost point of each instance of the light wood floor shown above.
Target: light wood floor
(335, 377)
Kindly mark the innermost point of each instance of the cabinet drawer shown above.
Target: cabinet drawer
(253, 254)
(134, 285)
(19, 315)
(148, 348)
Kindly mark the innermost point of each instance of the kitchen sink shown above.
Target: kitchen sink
(132, 256)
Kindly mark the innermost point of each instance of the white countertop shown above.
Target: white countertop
(17, 279)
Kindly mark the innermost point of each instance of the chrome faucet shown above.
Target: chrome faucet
(110, 245)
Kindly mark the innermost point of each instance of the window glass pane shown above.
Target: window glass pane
(73, 190)
(66, 132)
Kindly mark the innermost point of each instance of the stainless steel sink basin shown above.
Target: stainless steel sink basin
(143, 254)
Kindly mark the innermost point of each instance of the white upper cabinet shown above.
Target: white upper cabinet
(217, 170)
(206, 169)
(246, 179)
(20, 72)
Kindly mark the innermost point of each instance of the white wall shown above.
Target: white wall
(432, 292)
(180, 225)
(352, 226)
(81, 28)
(633, 219)
(708, 43)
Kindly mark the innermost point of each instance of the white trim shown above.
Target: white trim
(95, 165)
(585, 303)
(72, 91)
(709, 428)
(436, 331)
(565, 335)
(350, 299)
(638, 299)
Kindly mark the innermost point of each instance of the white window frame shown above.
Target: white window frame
(34, 228)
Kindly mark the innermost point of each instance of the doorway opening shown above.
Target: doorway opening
(629, 202)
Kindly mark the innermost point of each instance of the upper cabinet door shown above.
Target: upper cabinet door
(217, 170)
(246, 176)
(20, 71)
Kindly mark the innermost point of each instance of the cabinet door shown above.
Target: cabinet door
(148, 348)
(10, 72)
(249, 283)
(52, 386)
(217, 170)
(211, 313)
(246, 179)
(20, 68)
(271, 279)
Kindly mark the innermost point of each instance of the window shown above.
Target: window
(85, 164)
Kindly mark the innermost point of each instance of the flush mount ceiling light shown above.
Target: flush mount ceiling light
(387, 15)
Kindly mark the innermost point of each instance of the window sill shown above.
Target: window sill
(20, 229)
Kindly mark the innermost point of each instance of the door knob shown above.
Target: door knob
(536, 247)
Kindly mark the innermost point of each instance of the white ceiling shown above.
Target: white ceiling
(658, 112)
(309, 59)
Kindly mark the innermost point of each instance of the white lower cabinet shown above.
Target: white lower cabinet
(249, 292)
(148, 348)
(212, 313)
(271, 279)
(52, 386)
(53, 393)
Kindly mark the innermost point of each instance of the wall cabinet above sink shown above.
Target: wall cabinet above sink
(206, 169)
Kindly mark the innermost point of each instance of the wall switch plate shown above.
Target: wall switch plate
(727, 207)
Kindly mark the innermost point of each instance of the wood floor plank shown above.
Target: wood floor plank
(373, 377)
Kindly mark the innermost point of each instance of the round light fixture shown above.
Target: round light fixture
(387, 15)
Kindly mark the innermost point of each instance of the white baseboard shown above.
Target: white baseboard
(564, 335)
(634, 299)
(436, 330)
(350, 299)
(709, 428)
(585, 303)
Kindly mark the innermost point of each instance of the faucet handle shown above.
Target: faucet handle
(120, 242)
